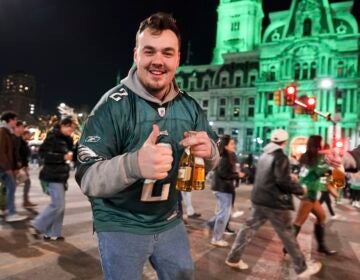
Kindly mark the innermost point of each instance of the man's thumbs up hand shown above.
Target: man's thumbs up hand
(154, 159)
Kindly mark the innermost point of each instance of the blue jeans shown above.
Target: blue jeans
(10, 185)
(219, 221)
(49, 221)
(281, 222)
(123, 254)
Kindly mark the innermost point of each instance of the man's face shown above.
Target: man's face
(156, 56)
(18, 130)
(12, 123)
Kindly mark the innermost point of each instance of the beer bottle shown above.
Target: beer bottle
(198, 177)
(185, 171)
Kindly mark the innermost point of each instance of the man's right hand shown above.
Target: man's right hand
(154, 160)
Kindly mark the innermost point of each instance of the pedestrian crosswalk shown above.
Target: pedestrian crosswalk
(22, 257)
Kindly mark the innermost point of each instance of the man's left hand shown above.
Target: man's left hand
(199, 143)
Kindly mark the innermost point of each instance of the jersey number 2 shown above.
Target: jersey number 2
(148, 187)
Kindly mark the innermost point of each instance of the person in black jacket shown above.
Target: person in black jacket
(272, 200)
(57, 153)
(224, 187)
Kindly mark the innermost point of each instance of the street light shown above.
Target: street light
(326, 83)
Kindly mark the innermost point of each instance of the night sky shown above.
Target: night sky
(75, 48)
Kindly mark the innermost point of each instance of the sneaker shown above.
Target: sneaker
(219, 243)
(54, 238)
(194, 216)
(229, 231)
(357, 204)
(312, 268)
(239, 265)
(336, 216)
(35, 232)
(15, 218)
(237, 214)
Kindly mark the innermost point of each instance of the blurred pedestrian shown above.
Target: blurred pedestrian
(8, 163)
(355, 189)
(312, 174)
(272, 201)
(24, 153)
(56, 152)
(224, 188)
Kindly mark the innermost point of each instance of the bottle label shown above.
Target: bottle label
(199, 161)
(184, 173)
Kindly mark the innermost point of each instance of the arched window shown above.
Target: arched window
(238, 78)
(272, 73)
(305, 71)
(224, 79)
(206, 82)
(180, 82)
(307, 27)
(340, 69)
(313, 70)
(297, 71)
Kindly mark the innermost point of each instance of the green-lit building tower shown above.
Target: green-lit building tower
(314, 43)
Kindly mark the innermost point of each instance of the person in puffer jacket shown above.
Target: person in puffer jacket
(56, 151)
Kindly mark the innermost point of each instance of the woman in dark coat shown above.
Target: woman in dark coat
(224, 186)
(57, 153)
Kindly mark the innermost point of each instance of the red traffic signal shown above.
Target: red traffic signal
(311, 104)
(290, 95)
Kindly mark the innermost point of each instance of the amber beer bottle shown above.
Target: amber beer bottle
(198, 178)
(186, 166)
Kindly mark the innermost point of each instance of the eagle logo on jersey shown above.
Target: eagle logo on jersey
(85, 154)
(92, 139)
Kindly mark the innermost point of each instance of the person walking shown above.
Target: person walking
(56, 152)
(8, 164)
(271, 199)
(24, 153)
(223, 187)
(313, 173)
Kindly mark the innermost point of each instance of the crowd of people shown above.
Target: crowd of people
(127, 165)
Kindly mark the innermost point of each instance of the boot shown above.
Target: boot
(296, 230)
(319, 230)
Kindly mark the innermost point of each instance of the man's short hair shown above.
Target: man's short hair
(157, 23)
(20, 123)
(68, 120)
(8, 115)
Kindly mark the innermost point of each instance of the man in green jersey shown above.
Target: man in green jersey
(127, 171)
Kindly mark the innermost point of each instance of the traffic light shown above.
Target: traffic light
(290, 95)
(314, 117)
(277, 97)
(310, 105)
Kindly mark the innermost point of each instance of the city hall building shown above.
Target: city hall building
(314, 45)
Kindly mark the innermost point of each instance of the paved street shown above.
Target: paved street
(77, 258)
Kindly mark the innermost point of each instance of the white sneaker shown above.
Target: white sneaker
(312, 268)
(237, 214)
(15, 218)
(219, 243)
(239, 265)
(336, 216)
(353, 204)
(357, 204)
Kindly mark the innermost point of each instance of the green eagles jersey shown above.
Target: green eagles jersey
(314, 177)
(120, 123)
